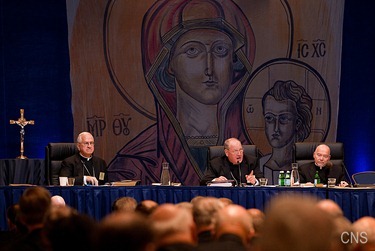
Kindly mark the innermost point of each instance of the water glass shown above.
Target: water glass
(331, 182)
(263, 181)
(71, 181)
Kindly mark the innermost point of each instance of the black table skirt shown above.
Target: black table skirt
(22, 171)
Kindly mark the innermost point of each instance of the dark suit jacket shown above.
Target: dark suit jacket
(176, 247)
(221, 166)
(307, 173)
(73, 167)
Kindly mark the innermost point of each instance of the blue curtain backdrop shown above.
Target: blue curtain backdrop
(357, 90)
(34, 68)
(34, 75)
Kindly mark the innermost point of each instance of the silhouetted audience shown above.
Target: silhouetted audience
(289, 222)
(331, 208)
(342, 228)
(124, 204)
(67, 229)
(257, 217)
(35, 203)
(130, 231)
(185, 204)
(15, 228)
(364, 229)
(174, 228)
(233, 230)
(226, 201)
(204, 213)
(57, 201)
(146, 207)
(294, 222)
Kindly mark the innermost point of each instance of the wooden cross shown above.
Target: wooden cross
(22, 122)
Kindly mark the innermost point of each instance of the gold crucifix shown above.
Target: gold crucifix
(22, 122)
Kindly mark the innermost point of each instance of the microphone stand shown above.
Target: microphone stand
(347, 173)
(83, 172)
(239, 171)
(234, 178)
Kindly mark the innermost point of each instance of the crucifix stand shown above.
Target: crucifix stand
(22, 122)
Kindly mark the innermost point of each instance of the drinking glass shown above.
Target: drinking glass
(331, 182)
(71, 181)
(263, 181)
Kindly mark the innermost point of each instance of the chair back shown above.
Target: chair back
(364, 178)
(55, 153)
(303, 152)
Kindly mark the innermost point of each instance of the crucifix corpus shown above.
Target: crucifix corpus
(22, 122)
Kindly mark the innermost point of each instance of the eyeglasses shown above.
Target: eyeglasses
(240, 151)
(88, 143)
(322, 155)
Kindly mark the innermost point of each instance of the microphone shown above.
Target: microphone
(88, 172)
(330, 164)
(239, 171)
(347, 173)
(83, 172)
(234, 178)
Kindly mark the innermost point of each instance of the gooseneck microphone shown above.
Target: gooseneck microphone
(87, 170)
(83, 172)
(330, 164)
(234, 178)
(347, 173)
(239, 171)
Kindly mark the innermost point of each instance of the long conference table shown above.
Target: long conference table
(97, 201)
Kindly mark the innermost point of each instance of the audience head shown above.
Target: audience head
(173, 224)
(258, 218)
(342, 227)
(226, 201)
(364, 228)
(13, 221)
(119, 231)
(204, 212)
(330, 207)
(57, 201)
(34, 204)
(234, 219)
(293, 222)
(146, 207)
(64, 226)
(124, 204)
(185, 204)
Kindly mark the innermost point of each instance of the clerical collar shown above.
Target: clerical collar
(320, 167)
(85, 158)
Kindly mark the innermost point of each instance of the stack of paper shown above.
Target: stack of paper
(227, 183)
